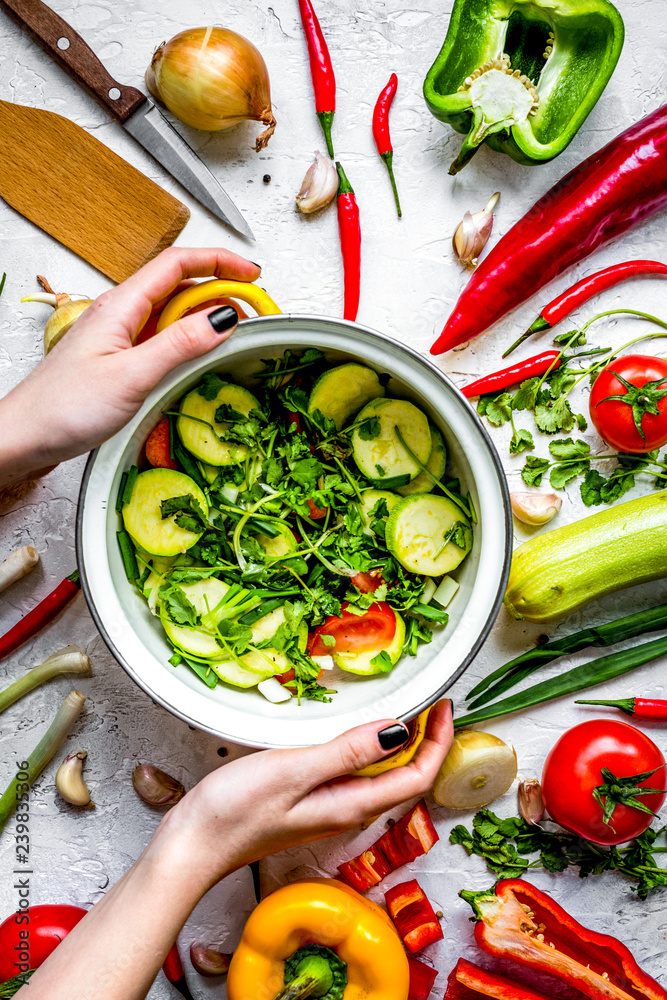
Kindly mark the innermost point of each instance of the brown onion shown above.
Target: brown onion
(211, 79)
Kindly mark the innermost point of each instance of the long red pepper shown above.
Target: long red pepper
(573, 297)
(381, 132)
(45, 612)
(654, 709)
(503, 379)
(422, 977)
(350, 243)
(616, 188)
(466, 981)
(321, 70)
(175, 973)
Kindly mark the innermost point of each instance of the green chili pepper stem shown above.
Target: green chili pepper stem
(326, 121)
(344, 186)
(50, 743)
(626, 705)
(578, 679)
(69, 660)
(606, 634)
(388, 158)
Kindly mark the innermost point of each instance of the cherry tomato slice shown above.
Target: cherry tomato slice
(27, 938)
(573, 770)
(158, 451)
(372, 631)
(316, 513)
(613, 418)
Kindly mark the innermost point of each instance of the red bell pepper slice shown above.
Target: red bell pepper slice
(366, 870)
(413, 915)
(466, 981)
(520, 923)
(408, 839)
(422, 977)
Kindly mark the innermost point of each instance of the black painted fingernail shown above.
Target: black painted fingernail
(392, 737)
(256, 264)
(451, 706)
(223, 318)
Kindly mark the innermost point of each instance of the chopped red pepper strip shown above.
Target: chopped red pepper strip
(466, 981)
(413, 915)
(422, 977)
(35, 620)
(518, 922)
(366, 870)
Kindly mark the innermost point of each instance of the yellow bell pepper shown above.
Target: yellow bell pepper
(361, 955)
(216, 288)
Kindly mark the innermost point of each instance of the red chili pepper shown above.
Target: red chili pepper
(413, 915)
(619, 186)
(406, 840)
(45, 612)
(175, 973)
(639, 708)
(537, 365)
(422, 977)
(321, 70)
(466, 981)
(573, 297)
(518, 922)
(350, 243)
(381, 131)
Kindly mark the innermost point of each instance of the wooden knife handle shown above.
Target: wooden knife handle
(72, 52)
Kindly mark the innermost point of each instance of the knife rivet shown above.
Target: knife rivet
(114, 93)
(63, 43)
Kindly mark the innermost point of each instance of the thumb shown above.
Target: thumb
(355, 749)
(188, 338)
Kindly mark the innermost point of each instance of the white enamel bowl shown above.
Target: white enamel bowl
(135, 637)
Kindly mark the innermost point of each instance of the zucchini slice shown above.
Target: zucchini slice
(435, 465)
(231, 673)
(201, 434)
(384, 455)
(142, 516)
(369, 499)
(416, 533)
(205, 595)
(341, 391)
(280, 545)
(271, 661)
(360, 663)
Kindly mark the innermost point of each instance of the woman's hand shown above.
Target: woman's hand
(270, 801)
(94, 379)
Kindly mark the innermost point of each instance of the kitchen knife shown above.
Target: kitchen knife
(135, 112)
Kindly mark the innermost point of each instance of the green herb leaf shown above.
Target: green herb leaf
(369, 429)
(328, 640)
(178, 607)
(525, 396)
(566, 448)
(561, 475)
(383, 662)
(522, 440)
(554, 416)
(497, 408)
(534, 469)
(185, 511)
(226, 413)
(210, 385)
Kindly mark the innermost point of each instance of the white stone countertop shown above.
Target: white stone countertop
(410, 282)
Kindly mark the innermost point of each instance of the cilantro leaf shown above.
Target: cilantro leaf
(328, 640)
(178, 607)
(415, 633)
(210, 385)
(534, 469)
(496, 408)
(383, 662)
(369, 429)
(522, 440)
(186, 512)
(459, 533)
(555, 415)
(525, 396)
(595, 489)
(226, 413)
(561, 475)
(566, 448)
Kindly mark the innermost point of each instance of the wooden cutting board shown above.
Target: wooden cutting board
(77, 190)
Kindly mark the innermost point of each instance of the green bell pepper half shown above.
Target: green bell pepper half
(566, 49)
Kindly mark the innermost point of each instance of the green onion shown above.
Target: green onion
(69, 660)
(608, 634)
(205, 673)
(128, 555)
(189, 465)
(265, 608)
(121, 491)
(578, 679)
(132, 474)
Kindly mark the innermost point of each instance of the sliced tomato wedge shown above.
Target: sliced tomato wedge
(316, 513)
(290, 675)
(365, 633)
(367, 583)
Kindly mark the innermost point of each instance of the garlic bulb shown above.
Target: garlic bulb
(67, 312)
(531, 803)
(319, 186)
(212, 78)
(155, 786)
(472, 234)
(69, 780)
(535, 508)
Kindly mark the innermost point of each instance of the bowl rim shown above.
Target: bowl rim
(256, 321)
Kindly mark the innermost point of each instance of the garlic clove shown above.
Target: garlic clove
(472, 234)
(535, 508)
(209, 962)
(319, 186)
(531, 802)
(155, 786)
(70, 783)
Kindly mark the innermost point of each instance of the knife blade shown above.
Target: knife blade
(132, 109)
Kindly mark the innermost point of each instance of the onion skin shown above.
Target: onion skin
(212, 79)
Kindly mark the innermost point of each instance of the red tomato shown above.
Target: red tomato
(367, 583)
(573, 770)
(614, 419)
(28, 938)
(316, 513)
(158, 447)
(290, 675)
(372, 631)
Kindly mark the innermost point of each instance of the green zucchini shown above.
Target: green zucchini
(360, 663)
(369, 499)
(417, 530)
(341, 392)
(231, 673)
(280, 544)
(142, 516)
(205, 595)
(202, 435)
(435, 465)
(555, 573)
(383, 455)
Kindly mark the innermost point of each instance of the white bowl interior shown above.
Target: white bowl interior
(135, 637)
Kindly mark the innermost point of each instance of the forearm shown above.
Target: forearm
(116, 951)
